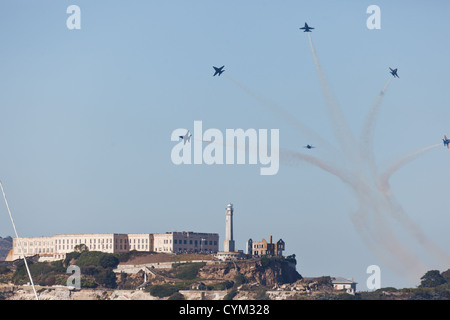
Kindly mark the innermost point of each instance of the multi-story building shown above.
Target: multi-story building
(56, 247)
(140, 241)
(260, 248)
(186, 242)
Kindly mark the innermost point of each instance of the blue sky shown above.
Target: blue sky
(86, 117)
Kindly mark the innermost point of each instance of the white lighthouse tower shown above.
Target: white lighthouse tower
(228, 244)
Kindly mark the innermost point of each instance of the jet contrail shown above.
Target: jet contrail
(368, 129)
(399, 214)
(281, 112)
(368, 220)
(289, 157)
(383, 181)
(339, 124)
(20, 242)
(371, 189)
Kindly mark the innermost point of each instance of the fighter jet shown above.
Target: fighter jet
(308, 146)
(186, 137)
(394, 73)
(218, 70)
(306, 28)
(446, 141)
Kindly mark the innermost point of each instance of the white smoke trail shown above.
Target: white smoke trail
(282, 113)
(371, 190)
(289, 157)
(383, 180)
(368, 219)
(20, 242)
(368, 129)
(339, 125)
(399, 214)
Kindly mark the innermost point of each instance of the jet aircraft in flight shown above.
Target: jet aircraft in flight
(218, 70)
(186, 137)
(446, 141)
(307, 28)
(394, 72)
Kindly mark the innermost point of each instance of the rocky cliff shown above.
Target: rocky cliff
(266, 272)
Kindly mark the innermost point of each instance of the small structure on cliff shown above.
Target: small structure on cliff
(260, 248)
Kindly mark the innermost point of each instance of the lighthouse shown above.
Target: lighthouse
(228, 244)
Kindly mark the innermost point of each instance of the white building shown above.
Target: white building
(186, 242)
(56, 247)
(139, 242)
(344, 284)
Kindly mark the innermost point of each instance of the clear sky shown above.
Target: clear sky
(86, 118)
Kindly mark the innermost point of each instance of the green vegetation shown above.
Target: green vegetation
(291, 259)
(96, 258)
(267, 261)
(96, 270)
(432, 279)
(434, 286)
(186, 271)
(4, 270)
(166, 290)
(43, 273)
(230, 295)
(176, 296)
(261, 294)
(221, 285)
(239, 279)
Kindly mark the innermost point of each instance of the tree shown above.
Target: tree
(106, 278)
(431, 279)
(80, 247)
(108, 261)
(446, 275)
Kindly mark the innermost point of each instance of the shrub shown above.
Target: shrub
(88, 283)
(70, 256)
(109, 261)
(166, 290)
(176, 296)
(58, 266)
(187, 271)
(50, 281)
(291, 259)
(261, 294)
(239, 279)
(90, 258)
(91, 270)
(221, 286)
(4, 270)
(230, 295)
(106, 278)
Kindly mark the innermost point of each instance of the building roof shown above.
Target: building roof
(340, 280)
